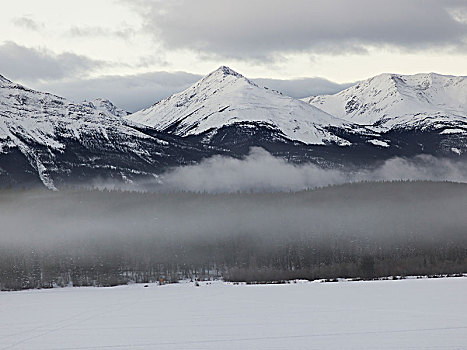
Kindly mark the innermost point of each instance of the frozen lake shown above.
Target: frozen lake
(407, 314)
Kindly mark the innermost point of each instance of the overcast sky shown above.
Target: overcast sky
(163, 46)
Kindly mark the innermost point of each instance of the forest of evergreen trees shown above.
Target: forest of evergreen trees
(103, 238)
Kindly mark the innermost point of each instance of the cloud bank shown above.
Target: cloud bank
(135, 92)
(21, 62)
(260, 171)
(303, 87)
(132, 92)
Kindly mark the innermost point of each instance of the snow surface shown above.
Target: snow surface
(378, 143)
(453, 131)
(400, 101)
(43, 118)
(407, 314)
(225, 97)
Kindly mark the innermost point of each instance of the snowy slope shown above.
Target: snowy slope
(39, 117)
(106, 106)
(407, 314)
(225, 97)
(421, 101)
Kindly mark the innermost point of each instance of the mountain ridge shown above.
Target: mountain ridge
(390, 101)
(4, 80)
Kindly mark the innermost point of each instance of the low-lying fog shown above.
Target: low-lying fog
(260, 171)
(102, 237)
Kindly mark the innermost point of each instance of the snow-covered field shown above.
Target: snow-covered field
(407, 314)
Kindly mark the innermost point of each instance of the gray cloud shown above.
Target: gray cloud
(124, 32)
(30, 64)
(28, 23)
(87, 31)
(303, 87)
(139, 91)
(262, 29)
(132, 92)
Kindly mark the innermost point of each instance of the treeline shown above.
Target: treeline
(106, 238)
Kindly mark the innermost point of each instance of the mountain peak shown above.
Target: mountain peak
(224, 70)
(225, 75)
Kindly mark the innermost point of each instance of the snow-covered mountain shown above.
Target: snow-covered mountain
(392, 101)
(48, 138)
(106, 106)
(225, 98)
(386, 116)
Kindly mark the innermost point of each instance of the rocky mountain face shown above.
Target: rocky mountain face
(399, 101)
(393, 104)
(104, 105)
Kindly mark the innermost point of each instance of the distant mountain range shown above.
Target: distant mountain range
(46, 139)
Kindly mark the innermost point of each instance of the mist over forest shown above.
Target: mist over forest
(362, 230)
(260, 171)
